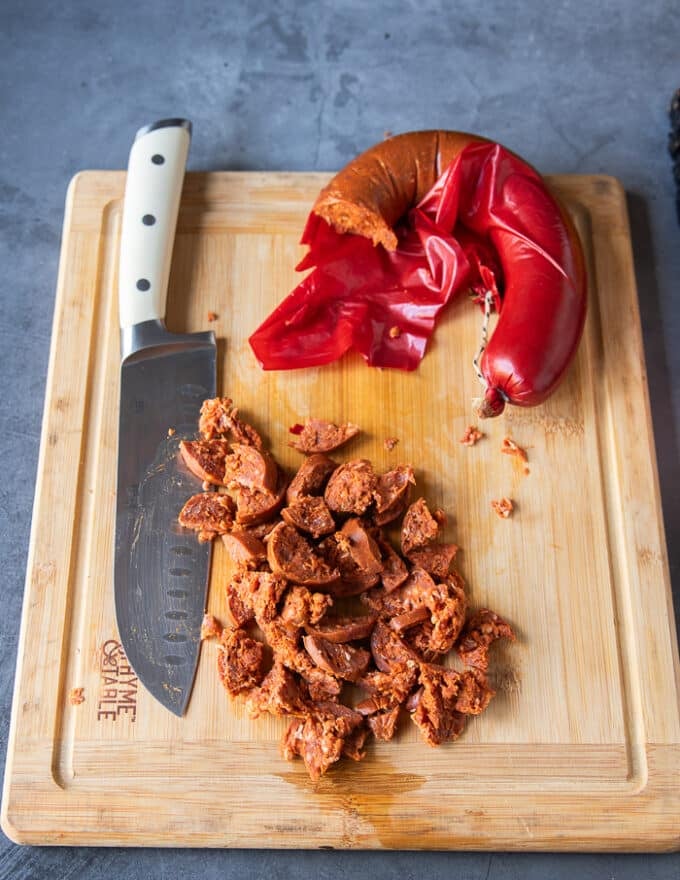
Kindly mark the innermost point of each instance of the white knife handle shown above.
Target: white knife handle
(154, 184)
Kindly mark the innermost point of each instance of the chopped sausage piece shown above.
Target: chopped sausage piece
(387, 689)
(474, 692)
(503, 507)
(318, 435)
(471, 436)
(279, 694)
(254, 507)
(310, 515)
(320, 740)
(434, 558)
(342, 554)
(320, 684)
(412, 594)
(205, 459)
(334, 709)
(481, 630)
(448, 606)
(419, 527)
(283, 638)
(266, 591)
(342, 661)
(390, 443)
(391, 494)
(389, 651)
(244, 548)
(356, 556)
(240, 662)
(343, 629)
(375, 702)
(208, 513)
(219, 419)
(254, 594)
(214, 419)
(394, 571)
(311, 477)
(301, 607)
(316, 742)
(384, 724)
(291, 556)
(435, 714)
(361, 547)
(211, 628)
(250, 468)
(239, 596)
(296, 608)
(351, 487)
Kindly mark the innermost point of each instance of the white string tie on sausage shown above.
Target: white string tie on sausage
(488, 306)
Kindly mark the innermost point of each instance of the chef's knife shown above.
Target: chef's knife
(161, 573)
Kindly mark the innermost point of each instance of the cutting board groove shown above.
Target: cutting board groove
(580, 749)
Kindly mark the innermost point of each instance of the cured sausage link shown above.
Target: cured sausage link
(501, 199)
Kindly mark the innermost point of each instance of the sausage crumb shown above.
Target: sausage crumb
(220, 420)
(394, 332)
(77, 696)
(509, 447)
(320, 435)
(390, 443)
(212, 316)
(471, 436)
(504, 507)
(211, 628)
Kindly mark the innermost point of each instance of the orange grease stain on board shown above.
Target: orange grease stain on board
(367, 799)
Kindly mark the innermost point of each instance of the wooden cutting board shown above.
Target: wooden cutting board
(581, 747)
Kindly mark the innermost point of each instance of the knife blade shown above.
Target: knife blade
(160, 573)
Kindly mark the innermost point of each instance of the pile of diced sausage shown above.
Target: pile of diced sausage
(303, 550)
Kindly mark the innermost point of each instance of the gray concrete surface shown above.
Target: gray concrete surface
(573, 86)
